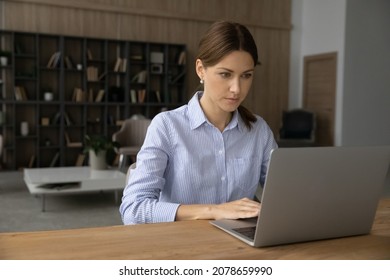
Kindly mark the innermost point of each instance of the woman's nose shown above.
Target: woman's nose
(235, 86)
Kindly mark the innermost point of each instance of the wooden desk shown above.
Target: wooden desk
(186, 240)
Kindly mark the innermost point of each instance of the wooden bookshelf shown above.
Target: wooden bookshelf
(96, 84)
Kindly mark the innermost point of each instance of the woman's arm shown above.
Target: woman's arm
(242, 208)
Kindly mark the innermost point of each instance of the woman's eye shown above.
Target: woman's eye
(225, 75)
(247, 75)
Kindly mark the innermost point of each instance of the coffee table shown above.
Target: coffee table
(71, 180)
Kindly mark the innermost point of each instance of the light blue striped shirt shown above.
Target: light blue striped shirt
(187, 160)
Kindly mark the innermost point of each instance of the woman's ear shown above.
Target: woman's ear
(199, 68)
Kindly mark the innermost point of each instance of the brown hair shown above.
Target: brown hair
(222, 38)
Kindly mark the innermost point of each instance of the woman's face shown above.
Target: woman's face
(227, 83)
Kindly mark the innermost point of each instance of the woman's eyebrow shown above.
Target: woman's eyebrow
(229, 70)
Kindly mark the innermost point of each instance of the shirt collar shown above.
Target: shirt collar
(197, 116)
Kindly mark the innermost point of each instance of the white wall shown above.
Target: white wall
(366, 109)
(318, 27)
(358, 30)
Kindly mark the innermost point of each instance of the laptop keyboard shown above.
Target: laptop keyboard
(246, 231)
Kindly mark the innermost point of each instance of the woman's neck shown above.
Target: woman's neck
(220, 119)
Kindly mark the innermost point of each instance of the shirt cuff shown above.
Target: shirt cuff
(165, 212)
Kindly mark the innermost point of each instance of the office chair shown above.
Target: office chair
(298, 129)
(130, 137)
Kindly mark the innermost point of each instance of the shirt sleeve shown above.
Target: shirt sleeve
(268, 146)
(140, 202)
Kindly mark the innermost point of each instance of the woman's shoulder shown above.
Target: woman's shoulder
(171, 116)
(259, 121)
(260, 124)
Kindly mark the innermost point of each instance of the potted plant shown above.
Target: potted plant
(4, 56)
(98, 147)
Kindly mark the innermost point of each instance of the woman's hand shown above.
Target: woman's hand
(242, 208)
(238, 209)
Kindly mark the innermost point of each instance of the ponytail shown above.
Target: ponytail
(247, 116)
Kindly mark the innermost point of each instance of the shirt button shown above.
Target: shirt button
(223, 178)
(220, 152)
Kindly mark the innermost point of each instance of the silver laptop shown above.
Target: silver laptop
(315, 193)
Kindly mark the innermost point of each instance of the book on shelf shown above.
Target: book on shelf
(141, 95)
(120, 65)
(55, 159)
(90, 95)
(133, 96)
(178, 77)
(100, 95)
(51, 59)
(117, 64)
(80, 160)
(124, 65)
(92, 74)
(158, 96)
(31, 161)
(78, 95)
(68, 62)
(20, 93)
(70, 143)
(89, 54)
(54, 60)
(101, 76)
(67, 120)
(137, 57)
(56, 118)
(140, 77)
(24, 93)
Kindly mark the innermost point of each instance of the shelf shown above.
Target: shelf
(91, 81)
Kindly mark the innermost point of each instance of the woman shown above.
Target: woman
(205, 159)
